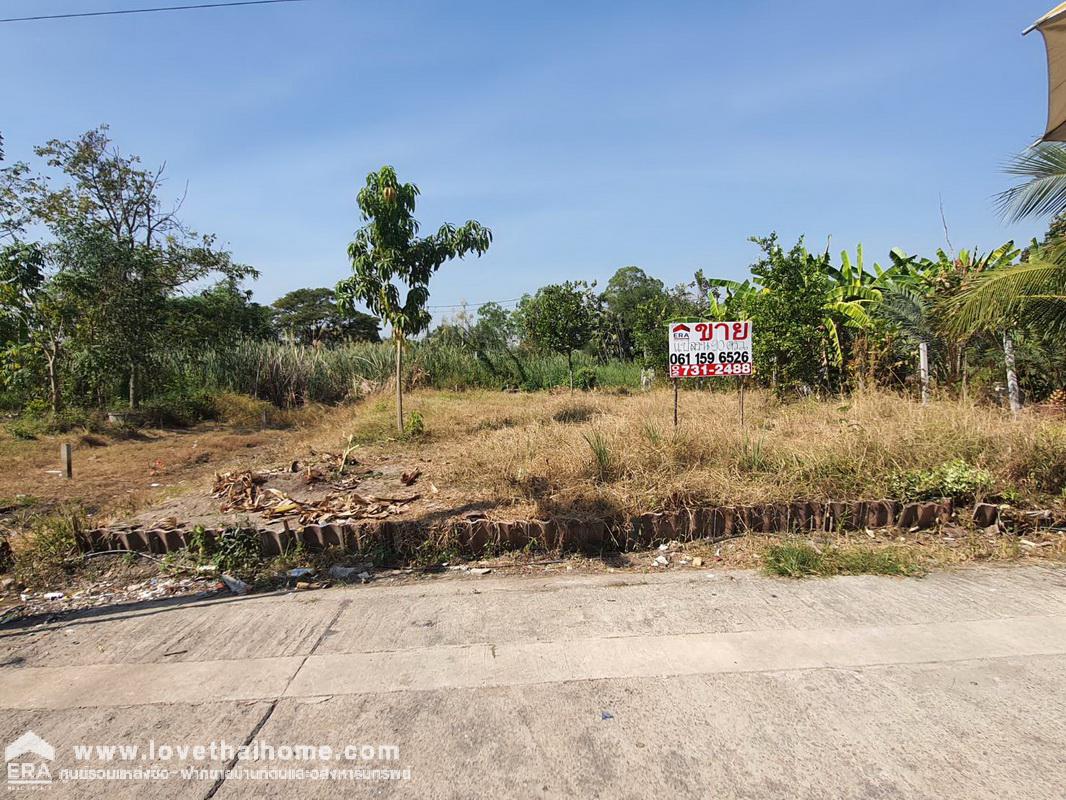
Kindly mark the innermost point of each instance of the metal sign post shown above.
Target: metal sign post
(742, 381)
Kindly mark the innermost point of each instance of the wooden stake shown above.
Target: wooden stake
(675, 402)
(66, 460)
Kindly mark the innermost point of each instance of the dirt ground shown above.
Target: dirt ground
(114, 477)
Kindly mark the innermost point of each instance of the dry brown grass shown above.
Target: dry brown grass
(604, 453)
(595, 454)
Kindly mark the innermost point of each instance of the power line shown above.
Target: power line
(477, 305)
(149, 10)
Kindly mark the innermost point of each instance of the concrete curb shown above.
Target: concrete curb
(399, 538)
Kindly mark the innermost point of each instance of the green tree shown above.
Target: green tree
(650, 318)
(114, 239)
(388, 249)
(314, 315)
(559, 318)
(37, 309)
(216, 317)
(627, 290)
(1033, 290)
(792, 341)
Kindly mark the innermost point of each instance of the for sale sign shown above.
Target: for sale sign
(710, 349)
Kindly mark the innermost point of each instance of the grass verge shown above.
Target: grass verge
(803, 559)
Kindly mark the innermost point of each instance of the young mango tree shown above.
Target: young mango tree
(387, 248)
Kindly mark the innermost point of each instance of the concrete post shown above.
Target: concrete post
(1013, 391)
(923, 368)
(66, 460)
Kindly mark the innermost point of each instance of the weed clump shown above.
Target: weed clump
(414, 427)
(604, 463)
(574, 414)
(802, 559)
(43, 553)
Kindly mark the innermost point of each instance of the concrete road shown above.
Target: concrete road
(687, 684)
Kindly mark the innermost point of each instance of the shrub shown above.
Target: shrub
(37, 420)
(23, 428)
(956, 479)
(585, 379)
(177, 410)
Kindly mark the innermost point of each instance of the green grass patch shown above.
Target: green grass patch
(802, 559)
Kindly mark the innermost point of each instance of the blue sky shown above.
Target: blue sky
(587, 135)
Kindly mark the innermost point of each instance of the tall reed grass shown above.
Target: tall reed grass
(291, 375)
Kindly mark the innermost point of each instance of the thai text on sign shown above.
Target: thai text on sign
(710, 349)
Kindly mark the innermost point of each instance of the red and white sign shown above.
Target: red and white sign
(710, 349)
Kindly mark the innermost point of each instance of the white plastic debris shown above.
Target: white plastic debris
(300, 572)
(661, 561)
(235, 585)
(53, 595)
(480, 571)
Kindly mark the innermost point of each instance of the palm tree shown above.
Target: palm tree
(1035, 289)
(1043, 192)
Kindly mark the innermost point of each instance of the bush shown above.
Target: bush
(37, 420)
(955, 479)
(235, 550)
(585, 379)
(26, 428)
(574, 413)
(177, 411)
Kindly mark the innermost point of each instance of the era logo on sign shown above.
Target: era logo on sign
(26, 757)
(680, 331)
